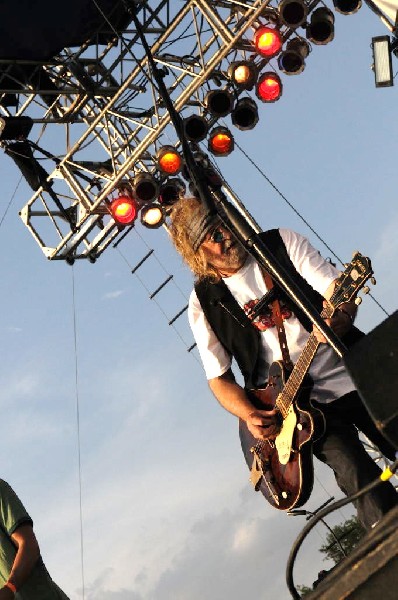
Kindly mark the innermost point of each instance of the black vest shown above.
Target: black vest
(234, 329)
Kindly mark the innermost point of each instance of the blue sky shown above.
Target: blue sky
(168, 513)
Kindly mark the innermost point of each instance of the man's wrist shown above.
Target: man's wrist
(10, 585)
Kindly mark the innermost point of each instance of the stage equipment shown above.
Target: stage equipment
(320, 31)
(15, 128)
(292, 13)
(152, 216)
(292, 60)
(267, 41)
(245, 114)
(347, 7)
(382, 65)
(170, 191)
(108, 98)
(195, 128)
(169, 160)
(373, 365)
(243, 74)
(221, 141)
(269, 87)
(124, 210)
(219, 103)
(145, 187)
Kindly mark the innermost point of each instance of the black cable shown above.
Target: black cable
(385, 476)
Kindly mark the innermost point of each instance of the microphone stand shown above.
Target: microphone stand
(216, 202)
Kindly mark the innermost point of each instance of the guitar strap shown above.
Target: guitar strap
(278, 320)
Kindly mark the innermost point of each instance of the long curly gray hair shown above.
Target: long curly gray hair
(183, 213)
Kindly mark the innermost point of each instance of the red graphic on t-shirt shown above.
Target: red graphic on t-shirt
(265, 320)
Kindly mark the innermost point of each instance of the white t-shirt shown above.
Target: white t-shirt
(331, 380)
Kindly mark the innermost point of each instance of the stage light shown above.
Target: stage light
(219, 103)
(169, 160)
(195, 128)
(269, 87)
(170, 191)
(320, 31)
(145, 187)
(245, 114)
(382, 66)
(15, 128)
(292, 13)
(291, 61)
(221, 141)
(243, 74)
(267, 41)
(152, 216)
(347, 7)
(124, 210)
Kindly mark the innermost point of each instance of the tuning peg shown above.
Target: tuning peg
(346, 265)
(373, 281)
(366, 289)
(358, 301)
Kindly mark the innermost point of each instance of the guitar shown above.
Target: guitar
(282, 468)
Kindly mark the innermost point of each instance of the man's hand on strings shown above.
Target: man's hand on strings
(264, 424)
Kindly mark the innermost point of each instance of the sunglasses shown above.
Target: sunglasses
(217, 236)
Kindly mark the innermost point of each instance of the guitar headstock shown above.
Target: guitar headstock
(356, 274)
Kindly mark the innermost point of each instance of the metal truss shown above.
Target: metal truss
(103, 102)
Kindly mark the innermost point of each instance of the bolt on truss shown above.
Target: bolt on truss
(106, 100)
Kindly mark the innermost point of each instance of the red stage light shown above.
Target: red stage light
(269, 87)
(221, 141)
(169, 160)
(124, 210)
(267, 41)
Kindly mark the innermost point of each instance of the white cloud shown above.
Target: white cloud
(113, 295)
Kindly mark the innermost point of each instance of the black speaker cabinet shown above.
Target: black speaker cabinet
(373, 365)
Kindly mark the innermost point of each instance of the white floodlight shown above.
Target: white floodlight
(382, 61)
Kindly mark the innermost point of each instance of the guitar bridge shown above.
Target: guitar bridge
(257, 474)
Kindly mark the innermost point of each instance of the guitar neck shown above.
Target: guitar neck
(288, 394)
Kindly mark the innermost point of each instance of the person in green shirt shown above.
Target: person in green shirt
(23, 575)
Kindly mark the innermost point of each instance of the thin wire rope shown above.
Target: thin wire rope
(10, 202)
(78, 433)
(277, 190)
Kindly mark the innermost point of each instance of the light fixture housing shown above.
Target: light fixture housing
(382, 66)
(320, 30)
(347, 7)
(245, 114)
(219, 103)
(170, 191)
(169, 160)
(221, 141)
(145, 187)
(195, 128)
(269, 87)
(124, 210)
(152, 216)
(292, 60)
(292, 13)
(267, 41)
(243, 74)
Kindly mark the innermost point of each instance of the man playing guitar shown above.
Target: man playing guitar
(229, 283)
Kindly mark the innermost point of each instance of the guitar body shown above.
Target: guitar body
(282, 468)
